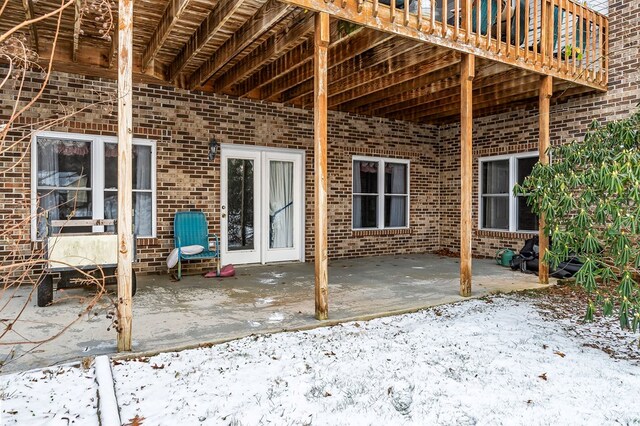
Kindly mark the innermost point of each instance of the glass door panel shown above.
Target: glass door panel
(280, 204)
(240, 190)
(240, 207)
(283, 206)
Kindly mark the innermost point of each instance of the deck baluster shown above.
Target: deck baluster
(444, 19)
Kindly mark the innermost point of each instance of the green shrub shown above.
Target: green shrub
(590, 196)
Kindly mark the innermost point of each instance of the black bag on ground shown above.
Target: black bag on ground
(528, 261)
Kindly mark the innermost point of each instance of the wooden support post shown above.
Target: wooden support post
(125, 173)
(321, 44)
(467, 73)
(546, 91)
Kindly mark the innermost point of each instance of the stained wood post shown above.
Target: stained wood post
(467, 73)
(125, 173)
(546, 91)
(321, 44)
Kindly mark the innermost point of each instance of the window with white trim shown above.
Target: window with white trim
(74, 177)
(500, 209)
(380, 193)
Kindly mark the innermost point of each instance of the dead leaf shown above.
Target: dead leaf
(136, 421)
(560, 354)
(157, 367)
(543, 376)
(116, 362)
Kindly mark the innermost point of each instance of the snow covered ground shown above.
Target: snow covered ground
(61, 395)
(498, 360)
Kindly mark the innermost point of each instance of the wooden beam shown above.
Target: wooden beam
(421, 86)
(485, 89)
(203, 35)
(339, 51)
(291, 60)
(383, 22)
(33, 30)
(77, 23)
(172, 14)
(275, 46)
(355, 68)
(113, 48)
(392, 84)
(467, 73)
(546, 91)
(125, 172)
(488, 102)
(268, 15)
(321, 44)
(444, 82)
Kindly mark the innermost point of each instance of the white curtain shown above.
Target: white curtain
(143, 200)
(48, 175)
(281, 204)
(357, 200)
(397, 210)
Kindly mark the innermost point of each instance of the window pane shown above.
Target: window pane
(365, 177)
(495, 212)
(395, 178)
(110, 166)
(527, 221)
(63, 205)
(240, 204)
(141, 166)
(525, 166)
(395, 211)
(495, 177)
(110, 208)
(143, 213)
(365, 211)
(64, 163)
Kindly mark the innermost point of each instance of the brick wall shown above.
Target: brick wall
(182, 123)
(517, 130)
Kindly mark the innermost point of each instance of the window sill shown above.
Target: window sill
(388, 231)
(519, 235)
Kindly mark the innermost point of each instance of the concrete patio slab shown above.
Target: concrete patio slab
(259, 299)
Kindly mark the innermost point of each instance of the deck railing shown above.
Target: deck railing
(560, 35)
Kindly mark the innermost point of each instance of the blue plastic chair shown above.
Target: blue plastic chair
(191, 228)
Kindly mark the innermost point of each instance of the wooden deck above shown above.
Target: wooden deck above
(384, 60)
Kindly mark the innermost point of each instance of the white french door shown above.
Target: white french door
(262, 205)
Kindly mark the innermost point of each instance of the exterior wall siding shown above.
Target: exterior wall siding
(516, 131)
(182, 123)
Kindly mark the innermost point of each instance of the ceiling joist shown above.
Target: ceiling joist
(377, 55)
(340, 50)
(268, 15)
(33, 30)
(203, 35)
(172, 14)
(275, 46)
(77, 23)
